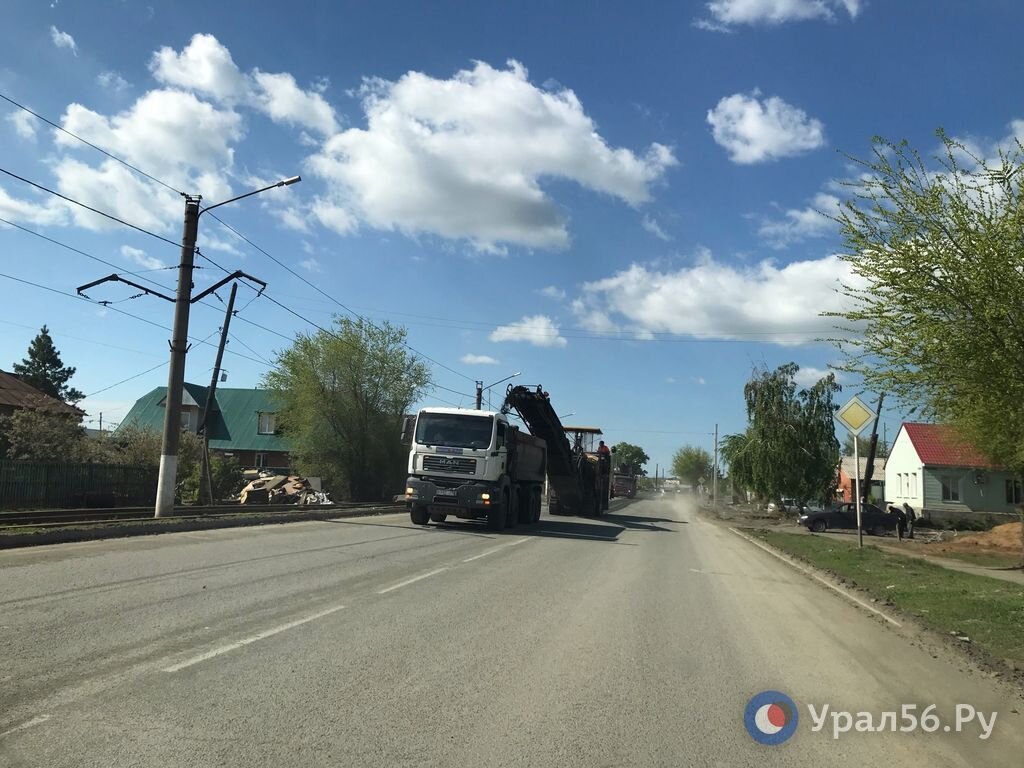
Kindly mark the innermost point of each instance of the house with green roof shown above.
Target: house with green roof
(242, 422)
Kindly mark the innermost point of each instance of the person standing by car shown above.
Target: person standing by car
(911, 517)
(901, 520)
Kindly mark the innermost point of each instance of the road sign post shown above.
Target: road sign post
(856, 416)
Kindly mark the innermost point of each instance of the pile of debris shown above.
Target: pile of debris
(267, 488)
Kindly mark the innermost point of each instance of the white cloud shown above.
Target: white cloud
(552, 292)
(141, 258)
(206, 66)
(463, 158)
(651, 225)
(754, 131)
(801, 223)
(24, 124)
(471, 359)
(308, 248)
(725, 13)
(53, 211)
(178, 138)
(808, 376)
(538, 330)
(292, 217)
(334, 217)
(698, 380)
(111, 80)
(761, 302)
(670, 380)
(281, 98)
(311, 265)
(63, 40)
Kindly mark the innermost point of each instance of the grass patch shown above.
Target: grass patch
(989, 611)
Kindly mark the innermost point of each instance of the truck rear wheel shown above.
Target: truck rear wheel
(419, 515)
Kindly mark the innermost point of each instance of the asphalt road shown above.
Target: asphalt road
(634, 640)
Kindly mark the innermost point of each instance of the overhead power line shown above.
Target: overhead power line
(88, 143)
(97, 211)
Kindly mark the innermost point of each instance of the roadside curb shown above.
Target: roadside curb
(170, 525)
(814, 575)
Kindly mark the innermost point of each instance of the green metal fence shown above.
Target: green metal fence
(43, 485)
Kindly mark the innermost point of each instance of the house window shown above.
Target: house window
(1013, 492)
(186, 421)
(268, 424)
(950, 488)
(913, 484)
(261, 459)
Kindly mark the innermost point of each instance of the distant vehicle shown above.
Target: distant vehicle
(844, 517)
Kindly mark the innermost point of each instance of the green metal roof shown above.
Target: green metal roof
(232, 427)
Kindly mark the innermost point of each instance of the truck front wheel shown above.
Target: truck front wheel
(419, 515)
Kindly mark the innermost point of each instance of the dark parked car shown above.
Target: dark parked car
(844, 517)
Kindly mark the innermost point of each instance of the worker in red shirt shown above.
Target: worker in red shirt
(602, 450)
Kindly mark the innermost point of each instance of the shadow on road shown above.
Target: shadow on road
(642, 523)
(572, 528)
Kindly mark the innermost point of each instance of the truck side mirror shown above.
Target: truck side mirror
(613, 449)
(407, 426)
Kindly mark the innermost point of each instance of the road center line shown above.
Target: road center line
(413, 580)
(38, 720)
(816, 577)
(258, 636)
(491, 551)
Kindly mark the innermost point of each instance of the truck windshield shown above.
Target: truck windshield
(454, 430)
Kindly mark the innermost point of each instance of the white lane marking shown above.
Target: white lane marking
(816, 577)
(413, 580)
(496, 549)
(252, 639)
(40, 719)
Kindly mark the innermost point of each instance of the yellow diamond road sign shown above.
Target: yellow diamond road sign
(855, 416)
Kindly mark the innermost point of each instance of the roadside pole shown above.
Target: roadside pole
(205, 480)
(714, 480)
(855, 416)
(176, 375)
(856, 486)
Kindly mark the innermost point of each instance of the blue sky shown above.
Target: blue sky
(623, 204)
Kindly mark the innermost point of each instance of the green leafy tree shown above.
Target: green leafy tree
(225, 475)
(693, 465)
(139, 446)
(629, 455)
(935, 249)
(343, 396)
(41, 435)
(789, 446)
(44, 370)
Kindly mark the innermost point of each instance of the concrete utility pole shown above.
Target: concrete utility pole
(714, 481)
(205, 481)
(479, 395)
(166, 480)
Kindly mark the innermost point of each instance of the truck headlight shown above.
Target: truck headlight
(410, 491)
(485, 496)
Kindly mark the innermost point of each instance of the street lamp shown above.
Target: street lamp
(480, 388)
(179, 346)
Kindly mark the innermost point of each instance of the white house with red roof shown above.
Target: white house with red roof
(933, 470)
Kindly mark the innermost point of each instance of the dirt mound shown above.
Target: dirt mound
(1002, 538)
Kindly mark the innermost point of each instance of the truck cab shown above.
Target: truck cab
(473, 464)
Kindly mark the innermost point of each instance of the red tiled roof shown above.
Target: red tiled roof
(17, 394)
(939, 445)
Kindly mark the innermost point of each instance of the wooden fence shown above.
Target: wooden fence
(44, 485)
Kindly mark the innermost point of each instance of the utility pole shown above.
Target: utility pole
(176, 376)
(205, 480)
(714, 482)
(479, 395)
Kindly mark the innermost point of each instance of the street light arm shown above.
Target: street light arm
(283, 183)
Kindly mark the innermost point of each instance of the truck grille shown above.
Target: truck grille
(450, 464)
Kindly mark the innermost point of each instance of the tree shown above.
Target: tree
(864, 446)
(628, 455)
(44, 370)
(692, 464)
(789, 446)
(40, 435)
(936, 289)
(343, 395)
